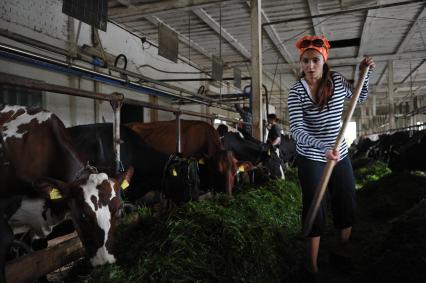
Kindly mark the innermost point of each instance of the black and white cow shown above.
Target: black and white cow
(95, 145)
(39, 163)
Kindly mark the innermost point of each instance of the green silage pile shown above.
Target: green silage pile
(253, 237)
(369, 170)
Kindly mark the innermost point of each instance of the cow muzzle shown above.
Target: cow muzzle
(102, 257)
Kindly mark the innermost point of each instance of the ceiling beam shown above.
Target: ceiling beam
(384, 87)
(348, 11)
(413, 29)
(279, 44)
(351, 61)
(313, 9)
(185, 40)
(206, 18)
(157, 7)
(409, 75)
(368, 24)
(214, 25)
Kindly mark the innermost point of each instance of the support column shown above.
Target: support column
(376, 122)
(153, 113)
(363, 120)
(73, 81)
(359, 127)
(256, 66)
(369, 117)
(390, 96)
(374, 106)
(96, 102)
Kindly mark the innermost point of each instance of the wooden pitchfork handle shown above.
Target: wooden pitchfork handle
(319, 192)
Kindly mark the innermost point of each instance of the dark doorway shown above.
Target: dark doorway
(131, 113)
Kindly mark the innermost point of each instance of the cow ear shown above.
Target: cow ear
(244, 166)
(124, 178)
(54, 190)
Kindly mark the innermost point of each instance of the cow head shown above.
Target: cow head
(94, 201)
(225, 168)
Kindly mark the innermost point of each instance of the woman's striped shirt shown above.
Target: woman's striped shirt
(316, 131)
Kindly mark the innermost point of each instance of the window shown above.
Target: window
(16, 95)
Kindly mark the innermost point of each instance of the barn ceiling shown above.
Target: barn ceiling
(396, 33)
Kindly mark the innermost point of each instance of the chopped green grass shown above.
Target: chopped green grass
(249, 238)
(372, 171)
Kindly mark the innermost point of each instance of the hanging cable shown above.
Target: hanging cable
(411, 81)
(220, 46)
(281, 99)
(275, 72)
(296, 35)
(189, 37)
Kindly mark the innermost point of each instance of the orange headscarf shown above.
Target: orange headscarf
(323, 50)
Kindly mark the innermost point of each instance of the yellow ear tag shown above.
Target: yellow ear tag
(125, 184)
(201, 161)
(55, 194)
(269, 152)
(174, 172)
(241, 168)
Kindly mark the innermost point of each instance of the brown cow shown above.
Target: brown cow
(198, 138)
(38, 163)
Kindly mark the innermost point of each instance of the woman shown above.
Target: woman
(315, 105)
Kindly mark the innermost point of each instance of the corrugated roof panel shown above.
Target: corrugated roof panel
(418, 41)
(343, 27)
(388, 29)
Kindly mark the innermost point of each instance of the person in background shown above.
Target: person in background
(222, 129)
(315, 106)
(274, 133)
(246, 116)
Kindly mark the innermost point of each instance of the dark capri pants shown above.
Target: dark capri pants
(341, 189)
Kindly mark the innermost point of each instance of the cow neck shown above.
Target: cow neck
(73, 165)
(3, 149)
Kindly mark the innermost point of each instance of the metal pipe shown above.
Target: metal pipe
(232, 95)
(178, 135)
(201, 79)
(342, 12)
(32, 42)
(42, 86)
(56, 65)
(409, 128)
(116, 107)
(182, 58)
(147, 79)
(87, 58)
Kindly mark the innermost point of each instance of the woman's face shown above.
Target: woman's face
(312, 63)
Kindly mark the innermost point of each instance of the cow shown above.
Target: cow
(362, 146)
(409, 154)
(402, 150)
(248, 148)
(39, 163)
(198, 139)
(7, 208)
(287, 150)
(94, 143)
(255, 152)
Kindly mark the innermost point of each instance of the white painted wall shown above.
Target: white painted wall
(43, 20)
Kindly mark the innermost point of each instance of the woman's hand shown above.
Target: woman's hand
(332, 155)
(367, 62)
